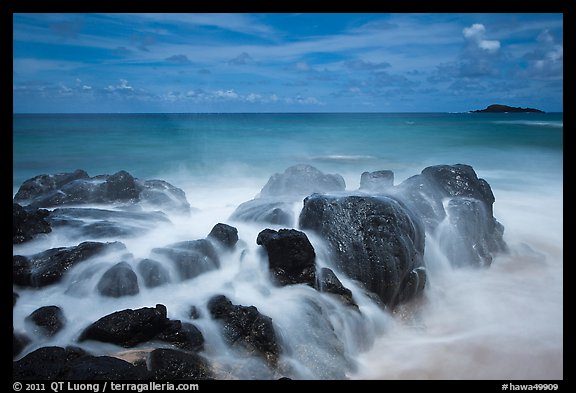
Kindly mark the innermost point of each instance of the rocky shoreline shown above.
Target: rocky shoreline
(375, 236)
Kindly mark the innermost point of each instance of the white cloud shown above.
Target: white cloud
(475, 34)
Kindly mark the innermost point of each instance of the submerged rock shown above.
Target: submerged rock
(120, 280)
(27, 224)
(244, 327)
(291, 256)
(375, 240)
(101, 223)
(49, 266)
(301, 180)
(190, 258)
(376, 181)
(265, 210)
(153, 273)
(19, 342)
(47, 320)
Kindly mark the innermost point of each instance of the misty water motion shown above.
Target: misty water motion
(456, 287)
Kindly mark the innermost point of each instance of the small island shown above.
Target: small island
(497, 108)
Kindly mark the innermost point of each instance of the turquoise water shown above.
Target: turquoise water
(208, 145)
(505, 322)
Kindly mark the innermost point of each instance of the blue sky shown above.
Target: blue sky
(286, 62)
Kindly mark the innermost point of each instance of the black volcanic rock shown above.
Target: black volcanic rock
(453, 194)
(245, 327)
(225, 235)
(184, 336)
(128, 328)
(47, 320)
(120, 280)
(375, 240)
(291, 256)
(104, 368)
(27, 224)
(49, 266)
(497, 108)
(170, 364)
(78, 188)
(46, 363)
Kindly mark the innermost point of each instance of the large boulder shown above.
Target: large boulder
(190, 258)
(170, 364)
(454, 195)
(47, 320)
(78, 188)
(375, 240)
(27, 224)
(120, 280)
(291, 257)
(49, 266)
(245, 328)
(127, 328)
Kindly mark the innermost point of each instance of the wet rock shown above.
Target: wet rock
(245, 328)
(225, 235)
(78, 188)
(457, 207)
(153, 273)
(15, 297)
(377, 181)
(128, 328)
(302, 180)
(47, 320)
(191, 258)
(95, 368)
(49, 266)
(328, 282)
(120, 280)
(184, 336)
(265, 210)
(166, 364)
(291, 256)
(375, 240)
(19, 342)
(101, 223)
(27, 224)
(46, 363)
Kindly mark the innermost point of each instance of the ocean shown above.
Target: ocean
(504, 322)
